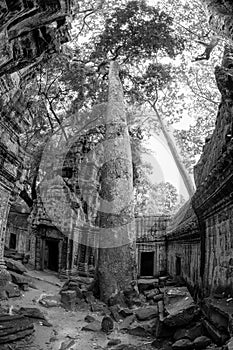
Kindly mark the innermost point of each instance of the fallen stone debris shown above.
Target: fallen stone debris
(168, 314)
(162, 313)
(14, 327)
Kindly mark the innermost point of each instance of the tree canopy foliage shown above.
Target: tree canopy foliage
(155, 45)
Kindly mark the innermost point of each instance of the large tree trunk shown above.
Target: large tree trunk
(221, 17)
(177, 159)
(117, 265)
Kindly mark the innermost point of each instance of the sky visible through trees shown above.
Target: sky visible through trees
(160, 76)
(195, 97)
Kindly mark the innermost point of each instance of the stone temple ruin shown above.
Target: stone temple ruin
(195, 246)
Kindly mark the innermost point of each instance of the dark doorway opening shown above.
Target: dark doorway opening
(178, 266)
(12, 244)
(53, 253)
(147, 264)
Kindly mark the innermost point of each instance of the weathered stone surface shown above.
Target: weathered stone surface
(195, 331)
(71, 285)
(14, 327)
(147, 313)
(202, 342)
(180, 307)
(151, 293)
(217, 336)
(139, 331)
(89, 319)
(50, 300)
(147, 284)
(107, 324)
(125, 325)
(184, 344)
(143, 329)
(15, 266)
(67, 345)
(92, 327)
(132, 297)
(117, 299)
(125, 312)
(114, 312)
(89, 297)
(82, 280)
(125, 347)
(20, 280)
(136, 302)
(34, 313)
(68, 299)
(99, 306)
(158, 297)
(191, 333)
(114, 342)
(162, 344)
(219, 314)
(12, 290)
(161, 310)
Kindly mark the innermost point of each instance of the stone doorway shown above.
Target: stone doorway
(51, 260)
(147, 264)
(178, 266)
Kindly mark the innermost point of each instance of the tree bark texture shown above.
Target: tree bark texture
(117, 265)
(221, 17)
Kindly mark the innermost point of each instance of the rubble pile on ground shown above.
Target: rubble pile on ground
(19, 279)
(166, 316)
(13, 254)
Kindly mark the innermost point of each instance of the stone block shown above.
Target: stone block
(16, 266)
(68, 299)
(217, 336)
(99, 306)
(201, 342)
(191, 333)
(34, 313)
(115, 312)
(20, 280)
(183, 344)
(143, 329)
(158, 297)
(107, 324)
(92, 327)
(89, 297)
(125, 325)
(146, 313)
(147, 284)
(113, 342)
(125, 312)
(89, 319)
(151, 293)
(180, 307)
(74, 286)
(12, 290)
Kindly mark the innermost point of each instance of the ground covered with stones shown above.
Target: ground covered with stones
(55, 315)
